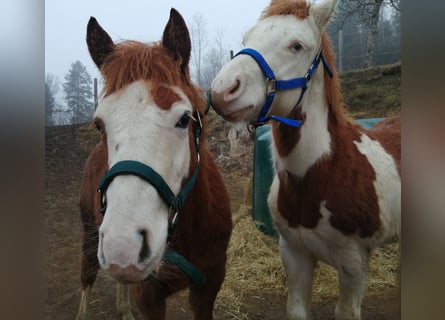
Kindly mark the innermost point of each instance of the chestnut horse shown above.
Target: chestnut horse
(162, 220)
(336, 190)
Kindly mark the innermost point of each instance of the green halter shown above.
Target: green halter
(174, 202)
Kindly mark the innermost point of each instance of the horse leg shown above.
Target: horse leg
(89, 268)
(150, 300)
(82, 313)
(352, 279)
(202, 299)
(123, 303)
(299, 270)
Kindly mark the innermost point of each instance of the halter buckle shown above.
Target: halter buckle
(197, 133)
(198, 117)
(271, 86)
(172, 221)
(174, 217)
(103, 201)
(255, 124)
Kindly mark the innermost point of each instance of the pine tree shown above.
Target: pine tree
(78, 93)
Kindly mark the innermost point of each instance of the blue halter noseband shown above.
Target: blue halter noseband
(273, 85)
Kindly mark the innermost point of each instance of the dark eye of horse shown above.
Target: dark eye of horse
(99, 127)
(298, 47)
(184, 121)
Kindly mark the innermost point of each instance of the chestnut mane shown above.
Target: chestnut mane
(132, 60)
(300, 9)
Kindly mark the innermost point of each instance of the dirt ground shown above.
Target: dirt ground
(66, 151)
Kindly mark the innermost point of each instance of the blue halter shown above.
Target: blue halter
(273, 85)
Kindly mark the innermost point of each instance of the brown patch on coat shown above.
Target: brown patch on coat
(164, 97)
(344, 180)
(286, 137)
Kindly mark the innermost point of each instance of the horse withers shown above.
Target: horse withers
(161, 221)
(336, 189)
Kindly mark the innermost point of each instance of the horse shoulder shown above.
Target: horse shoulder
(381, 146)
(388, 134)
(216, 190)
(205, 223)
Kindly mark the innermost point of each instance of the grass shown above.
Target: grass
(372, 92)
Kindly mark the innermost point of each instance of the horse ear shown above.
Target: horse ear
(322, 11)
(99, 42)
(176, 39)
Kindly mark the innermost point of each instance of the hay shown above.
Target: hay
(254, 266)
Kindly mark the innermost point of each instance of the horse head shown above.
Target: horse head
(282, 55)
(147, 116)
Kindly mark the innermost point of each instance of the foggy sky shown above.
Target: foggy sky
(66, 21)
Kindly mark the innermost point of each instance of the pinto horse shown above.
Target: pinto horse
(162, 219)
(336, 189)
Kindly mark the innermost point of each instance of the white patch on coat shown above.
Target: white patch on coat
(387, 186)
(315, 139)
(147, 134)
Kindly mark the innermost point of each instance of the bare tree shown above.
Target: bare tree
(367, 12)
(52, 87)
(53, 83)
(215, 58)
(373, 31)
(199, 42)
(395, 4)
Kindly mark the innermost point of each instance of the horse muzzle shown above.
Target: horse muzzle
(127, 258)
(130, 274)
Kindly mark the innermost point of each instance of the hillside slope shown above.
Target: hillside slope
(373, 92)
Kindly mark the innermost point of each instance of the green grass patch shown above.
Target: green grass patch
(372, 92)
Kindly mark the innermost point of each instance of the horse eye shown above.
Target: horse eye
(184, 121)
(98, 127)
(298, 47)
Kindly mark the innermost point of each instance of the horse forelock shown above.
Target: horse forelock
(298, 8)
(132, 61)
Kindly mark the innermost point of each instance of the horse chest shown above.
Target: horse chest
(358, 198)
(322, 241)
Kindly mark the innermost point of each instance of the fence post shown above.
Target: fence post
(340, 50)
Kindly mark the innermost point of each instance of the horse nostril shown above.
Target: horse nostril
(145, 250)
(235, 87)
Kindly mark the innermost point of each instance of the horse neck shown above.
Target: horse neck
(297, 149)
